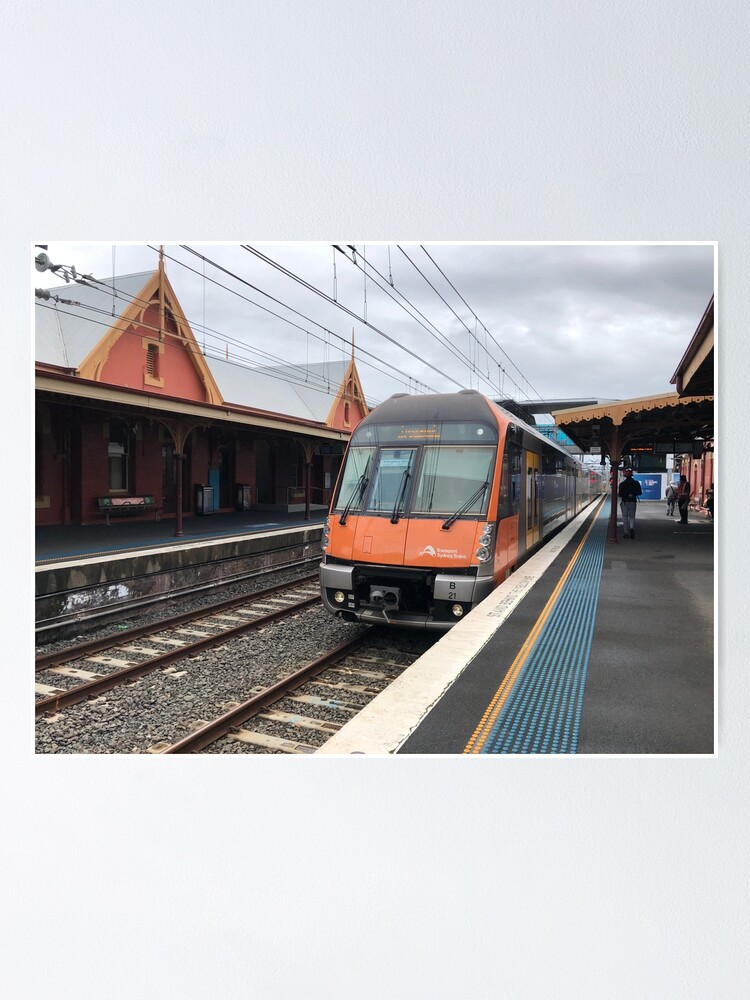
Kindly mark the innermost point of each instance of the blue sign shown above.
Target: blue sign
(650, 485)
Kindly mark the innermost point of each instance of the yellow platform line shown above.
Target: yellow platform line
(480, 734)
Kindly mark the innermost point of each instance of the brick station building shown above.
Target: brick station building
(129, 408)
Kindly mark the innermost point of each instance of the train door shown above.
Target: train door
(533, 500)
(509, 511)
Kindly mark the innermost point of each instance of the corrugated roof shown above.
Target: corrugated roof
(620, 409)
(645, 419)
(306, 392)
(66, 331)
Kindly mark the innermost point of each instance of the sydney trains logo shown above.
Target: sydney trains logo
(438, 553)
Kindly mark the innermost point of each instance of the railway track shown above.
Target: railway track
(349, 677)
(283, 682)
(89, 669)
(49, 629)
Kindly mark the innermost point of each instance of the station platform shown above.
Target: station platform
(101, 570)
(71, 541)
(590, 647)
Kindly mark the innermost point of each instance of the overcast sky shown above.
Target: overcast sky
(522, 321)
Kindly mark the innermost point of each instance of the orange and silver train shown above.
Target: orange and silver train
(438, 500)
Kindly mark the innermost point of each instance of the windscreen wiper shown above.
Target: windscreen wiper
(464, 507)
(357, 493)
(405, 477)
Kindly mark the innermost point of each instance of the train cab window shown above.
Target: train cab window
(354, 478)
(391, 479)
(450, 476)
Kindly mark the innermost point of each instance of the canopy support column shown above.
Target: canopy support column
(613, 439)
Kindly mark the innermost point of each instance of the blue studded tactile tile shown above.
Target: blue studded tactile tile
(542, 713)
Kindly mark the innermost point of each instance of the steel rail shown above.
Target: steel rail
(91, 688)
(54, 659)
(213, 731)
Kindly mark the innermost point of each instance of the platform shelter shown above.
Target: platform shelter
(677, 423)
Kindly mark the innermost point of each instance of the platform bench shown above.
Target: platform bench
(123, 506)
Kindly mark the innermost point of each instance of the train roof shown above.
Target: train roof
(468, 404)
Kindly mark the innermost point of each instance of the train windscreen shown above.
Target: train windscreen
(390, 479)
(449, 476)
(354, 478)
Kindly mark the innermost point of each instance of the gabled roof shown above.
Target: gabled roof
(76, 328)
(157, 291)
(350, 388)
(67, 331)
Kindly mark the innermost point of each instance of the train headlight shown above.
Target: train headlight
(484, 552)
(457, 610)
(325, 539)
(339, 597)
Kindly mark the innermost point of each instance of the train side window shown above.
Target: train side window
(510, 482)
(529, 496)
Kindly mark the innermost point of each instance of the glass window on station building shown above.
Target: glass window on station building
(118, 456)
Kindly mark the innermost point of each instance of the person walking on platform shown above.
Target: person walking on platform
(671, 498)
(710, 501)
(628, 492)
(683, 498)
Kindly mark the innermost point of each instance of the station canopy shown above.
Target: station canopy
(669, 423)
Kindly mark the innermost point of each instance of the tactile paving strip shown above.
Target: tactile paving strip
(542, 711)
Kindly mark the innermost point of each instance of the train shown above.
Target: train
(439, 499)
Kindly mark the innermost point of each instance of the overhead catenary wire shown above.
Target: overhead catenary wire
(239, 345)
(382, 366)
(339, 305)
(471, 362)
(437, 334)
(283, 373)
(475, 344)
(461, 321)
(378, 363)
(387, 368)
(476, 318)
(224, 339)
(375, 361)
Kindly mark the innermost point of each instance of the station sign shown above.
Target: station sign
(650, 463)
(694, 448)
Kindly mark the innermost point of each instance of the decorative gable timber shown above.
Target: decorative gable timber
(167, 325)
(349, 406)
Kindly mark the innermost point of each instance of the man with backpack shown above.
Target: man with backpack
(628, 492)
